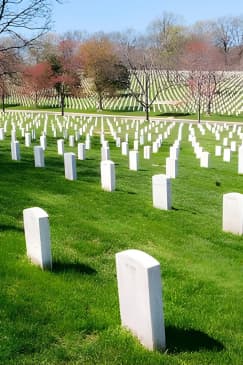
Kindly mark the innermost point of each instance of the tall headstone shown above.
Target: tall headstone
(70, 166)
(1, 134)
(27, 139)
(81, 151)
(60, 146)
(233, 213)
(15, 150)
(37, 237)
(43, 142)
(171, 167)
(108, 178)
(39, 156)
(105, 153)
(71, 141)
(218, 150)
(124, 148)
(134, 160)
(205, 159)
(140, 297)
(161, 190)
(227, 155)
(155, 147)
(147, 152)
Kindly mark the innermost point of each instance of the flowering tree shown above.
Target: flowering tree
(205, 78)
(66, 68)
(37, 79)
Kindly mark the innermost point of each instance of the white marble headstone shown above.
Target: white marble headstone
(140, 297)
(37, 237)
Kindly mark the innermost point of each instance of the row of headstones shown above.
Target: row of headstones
(171, 162)
(204, 156)
(138, 274)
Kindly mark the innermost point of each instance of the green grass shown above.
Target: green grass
(71, 315)
(176, 115)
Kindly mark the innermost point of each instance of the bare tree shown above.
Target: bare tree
(148, 75)
(168, 36)
(24, 21)
(228, 36)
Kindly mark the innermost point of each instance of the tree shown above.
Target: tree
(167, 35)
(9, 72)
(37, 78)
(149, 75)
(205, 77)
(24, 21)
(228, 37)
(66, 67)
(104, 68)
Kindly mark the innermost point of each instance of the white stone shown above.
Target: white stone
(161, 187)
(233, 146)
(218, 150)
(87, 143)
(133, 160)
(43, 142)
(171, 167)
(124, 148)
(39, 156)
(118, 142)
(71, 141)
(174, 152)
(140, 297)
(15, 150)
(205, 159)
(225, 142)
(227, 154)
(233, 213)
(60, 146)
(105, 153)
(108, 178)
(1, 134)
(70, 166)
(155, 147)
(37, 237)
(27, 139)
(13, 135)
(81, 151)
(135, 145)
(147, 152)
(141, 139)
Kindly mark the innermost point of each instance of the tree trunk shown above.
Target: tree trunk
(36, 99)
(62, 99)
(209, 107)
(147, 97)
(100, 101)
(3, 102)
(199, 110)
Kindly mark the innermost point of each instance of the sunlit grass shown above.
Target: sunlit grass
(71, 315)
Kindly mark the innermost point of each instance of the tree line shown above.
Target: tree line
(78, 64)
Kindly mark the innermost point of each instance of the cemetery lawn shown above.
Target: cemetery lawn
(70, 316)
(175, 115)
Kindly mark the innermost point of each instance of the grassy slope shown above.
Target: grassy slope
(71, 315)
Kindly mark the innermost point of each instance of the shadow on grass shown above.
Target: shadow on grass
(8, 227)
(61, 267)
(175, 114)
(182, 340)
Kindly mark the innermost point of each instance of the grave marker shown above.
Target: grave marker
(37, 236)
(140, 297)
